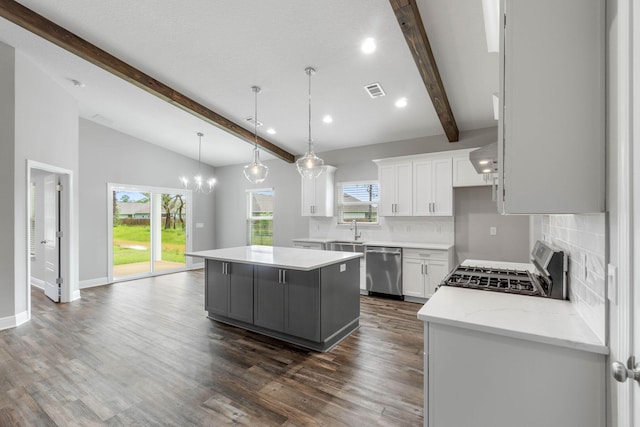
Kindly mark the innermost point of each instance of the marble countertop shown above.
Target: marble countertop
(408, 245)
(291, 258)
(543, 320)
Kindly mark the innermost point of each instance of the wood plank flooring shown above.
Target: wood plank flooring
(143, 353)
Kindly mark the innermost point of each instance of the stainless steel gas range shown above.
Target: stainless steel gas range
(546, 276)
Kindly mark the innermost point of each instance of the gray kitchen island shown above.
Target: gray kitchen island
(310, 298)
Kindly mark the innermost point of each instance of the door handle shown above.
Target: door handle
(621, 372)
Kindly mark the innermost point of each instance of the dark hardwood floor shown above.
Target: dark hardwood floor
(143, 353)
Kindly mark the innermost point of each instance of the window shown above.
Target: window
(260, 217)
(358, 201)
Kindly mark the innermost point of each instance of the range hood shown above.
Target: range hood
(485, 159)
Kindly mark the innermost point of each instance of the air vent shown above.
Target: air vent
(251, 121)
(374, 90)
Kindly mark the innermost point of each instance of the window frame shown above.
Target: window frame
(340, 202)
(249, 214)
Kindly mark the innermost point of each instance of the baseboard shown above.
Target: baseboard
(90, 283)
(37, 283)
(13, 321)
(75, 295)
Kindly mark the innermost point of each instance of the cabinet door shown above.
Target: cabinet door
(387, 182)
(442, 190)
(404, 189)
(413, 277)
(435, 272)
(308, 196)
(217, 288)
(241, 291)
(423, 195)
(302, 302)
(268, 310)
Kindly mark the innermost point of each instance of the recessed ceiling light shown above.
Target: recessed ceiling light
(486, 171)
(271, 131)
(401, 103)
(484, 162)
(327, 119)
(368, 46)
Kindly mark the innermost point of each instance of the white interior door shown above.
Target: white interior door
(51, 241)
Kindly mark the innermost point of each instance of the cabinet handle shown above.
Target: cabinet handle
(421, 268)
(426, 269)
(284, 276)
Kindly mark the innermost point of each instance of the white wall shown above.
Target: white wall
(108, 156)
(7, 179)
(39, 122)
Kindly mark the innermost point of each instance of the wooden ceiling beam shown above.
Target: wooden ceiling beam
(412, 27)
(48, 30)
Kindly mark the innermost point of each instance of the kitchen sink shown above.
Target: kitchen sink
(347, 246)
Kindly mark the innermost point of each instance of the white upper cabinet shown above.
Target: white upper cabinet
(551, 142)
(396, 187)
(416, 185)
(464, 174)
(318, 194)
(433, 191)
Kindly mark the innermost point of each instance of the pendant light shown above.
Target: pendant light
(310, 166)
(255, 171)
(199, 184)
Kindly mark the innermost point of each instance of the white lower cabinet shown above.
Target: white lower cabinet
(422, 271)
(475, 378)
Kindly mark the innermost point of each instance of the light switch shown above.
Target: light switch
(493, 231)
(199, 225)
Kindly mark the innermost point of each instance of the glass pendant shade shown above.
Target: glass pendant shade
(199, 184)
(310, 166)
(255, 172)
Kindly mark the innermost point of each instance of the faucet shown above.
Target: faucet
(354, 227)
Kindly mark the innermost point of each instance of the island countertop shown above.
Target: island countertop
(291, 258)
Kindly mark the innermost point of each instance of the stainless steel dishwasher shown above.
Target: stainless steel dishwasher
(384, 270)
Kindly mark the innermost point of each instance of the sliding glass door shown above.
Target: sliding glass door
(149, 229)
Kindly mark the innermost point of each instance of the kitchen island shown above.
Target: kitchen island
(310, 298)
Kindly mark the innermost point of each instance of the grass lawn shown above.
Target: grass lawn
(131, 244)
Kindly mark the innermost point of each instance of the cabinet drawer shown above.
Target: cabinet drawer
(424, 253)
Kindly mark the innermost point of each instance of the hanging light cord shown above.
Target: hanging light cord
(200, 135)
(256, 89)
(309, 72)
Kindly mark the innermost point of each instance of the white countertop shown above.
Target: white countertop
(408, 245)
(544, 320)
(291, 258)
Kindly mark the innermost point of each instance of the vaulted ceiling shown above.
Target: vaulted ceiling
(213, 52)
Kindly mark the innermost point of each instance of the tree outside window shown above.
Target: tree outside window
(260, 217)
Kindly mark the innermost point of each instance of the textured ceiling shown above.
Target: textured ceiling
(214, 51)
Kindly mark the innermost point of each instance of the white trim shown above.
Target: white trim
(90, 283)
(111, 187)
(68, 242)
(37, 283)
(13, 321)
(75, 295)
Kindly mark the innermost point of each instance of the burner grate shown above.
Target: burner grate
(501, 280)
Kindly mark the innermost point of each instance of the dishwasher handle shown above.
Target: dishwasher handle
(394, 251)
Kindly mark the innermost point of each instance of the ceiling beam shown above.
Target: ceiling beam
(48, 30)
(416, 36)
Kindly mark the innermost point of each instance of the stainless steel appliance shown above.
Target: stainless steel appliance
(384, 270)
(548, 280)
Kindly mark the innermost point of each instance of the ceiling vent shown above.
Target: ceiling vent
(374, 90)
(251, 121)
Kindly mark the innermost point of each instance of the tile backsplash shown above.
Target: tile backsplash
(582, 237)
(418, 230)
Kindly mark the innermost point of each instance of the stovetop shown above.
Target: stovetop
(495, 279)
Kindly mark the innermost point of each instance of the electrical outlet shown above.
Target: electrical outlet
(493, 231)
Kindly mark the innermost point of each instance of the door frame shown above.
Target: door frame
(111, 186)
(67, 197)
(623, 287)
